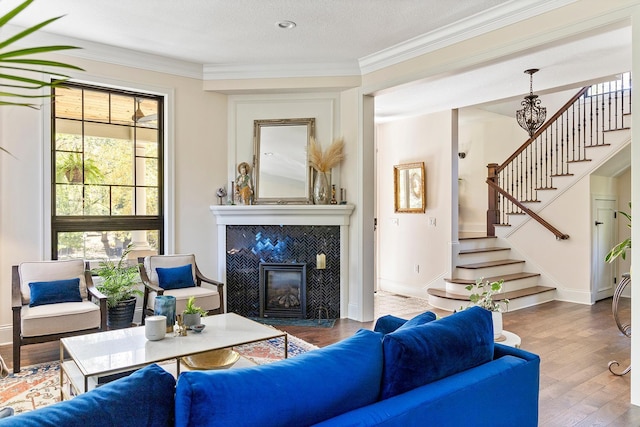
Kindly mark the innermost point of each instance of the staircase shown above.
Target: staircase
(566, 148)
(490, 258)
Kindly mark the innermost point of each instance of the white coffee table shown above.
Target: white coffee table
(103, 356)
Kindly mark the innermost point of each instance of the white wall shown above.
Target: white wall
(484, 138)
(244, 109)
(197, 165)
(406, 239)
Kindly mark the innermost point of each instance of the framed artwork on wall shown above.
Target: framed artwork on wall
(409, 187)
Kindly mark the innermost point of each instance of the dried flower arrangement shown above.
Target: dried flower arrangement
(324, 162)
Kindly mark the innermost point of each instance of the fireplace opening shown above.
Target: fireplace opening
(283, 290)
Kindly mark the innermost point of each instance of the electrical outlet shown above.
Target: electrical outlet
(394, 221)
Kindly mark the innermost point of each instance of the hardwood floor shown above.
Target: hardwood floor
(575, 343)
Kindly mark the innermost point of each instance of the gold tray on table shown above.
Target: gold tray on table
(215, 359)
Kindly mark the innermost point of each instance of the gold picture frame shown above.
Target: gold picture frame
(409, 188)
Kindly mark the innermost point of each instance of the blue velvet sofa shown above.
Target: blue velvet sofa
(421, 372)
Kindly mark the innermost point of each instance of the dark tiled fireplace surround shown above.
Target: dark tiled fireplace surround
(247, 246)
(284, 233)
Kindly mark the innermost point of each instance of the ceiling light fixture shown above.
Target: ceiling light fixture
(532, 115)
(286, 25)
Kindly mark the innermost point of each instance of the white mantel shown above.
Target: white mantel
(337, 215)
(282, 214)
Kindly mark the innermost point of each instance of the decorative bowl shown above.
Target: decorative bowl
(215, 359)
(197, 328)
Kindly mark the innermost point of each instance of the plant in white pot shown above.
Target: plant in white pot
(191, 314)
(120, 286)
(482, 293)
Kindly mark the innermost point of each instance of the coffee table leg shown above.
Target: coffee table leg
(286, 346)
(61, 371)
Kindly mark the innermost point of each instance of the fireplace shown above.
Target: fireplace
(283, 290)
(251, 235)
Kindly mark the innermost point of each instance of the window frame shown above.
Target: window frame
(96, 223)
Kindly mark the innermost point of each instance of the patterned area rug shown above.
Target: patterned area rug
(313, 323)
(38, 385)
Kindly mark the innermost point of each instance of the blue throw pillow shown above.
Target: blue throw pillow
(426, 353)
(299, 391)
(420, 319)
(175, 277)
(389, 323)
(54, 292)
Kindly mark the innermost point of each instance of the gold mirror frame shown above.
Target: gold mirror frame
(280, 162)
(409, 188)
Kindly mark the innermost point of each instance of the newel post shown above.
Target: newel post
(493, 210)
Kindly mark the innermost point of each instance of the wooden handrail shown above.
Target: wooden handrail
(544, 127)
(559, 235)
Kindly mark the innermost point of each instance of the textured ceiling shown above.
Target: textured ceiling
(245, 31)
(341, 37)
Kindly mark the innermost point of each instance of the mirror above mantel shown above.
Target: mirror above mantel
(282, 174)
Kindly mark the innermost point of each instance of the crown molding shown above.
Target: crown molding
(113, 55)
(271, 71)
(481, 23)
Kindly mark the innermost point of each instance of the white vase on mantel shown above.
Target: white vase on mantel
(497, 324)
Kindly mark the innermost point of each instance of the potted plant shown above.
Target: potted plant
(73, 169)
(482, 293)
(620, 250)
(119, 285)
(191, 314)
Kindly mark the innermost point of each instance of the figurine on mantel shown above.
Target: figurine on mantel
(244, 186)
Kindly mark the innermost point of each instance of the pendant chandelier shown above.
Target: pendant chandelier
(532, 115)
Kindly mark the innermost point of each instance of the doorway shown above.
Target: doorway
(603, 282)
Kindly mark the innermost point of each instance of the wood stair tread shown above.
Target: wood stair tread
(486, 264)
(481, 250)
(476, 237)
(442, 293)
(505, 277)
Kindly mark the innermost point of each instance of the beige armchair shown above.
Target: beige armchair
(59, 303)
(208, 297)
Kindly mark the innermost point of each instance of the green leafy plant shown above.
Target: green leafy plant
(620, 250)
(20, 71)
(482, 293)
(71, 169)
(119, 279)
(191, 308)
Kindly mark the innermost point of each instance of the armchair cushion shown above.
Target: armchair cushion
(423, 354)
(152, 262)
(41, 271)
(59, 318)
(54, 292)
(175, 277)
(206, 298)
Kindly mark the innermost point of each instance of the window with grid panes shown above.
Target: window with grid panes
(107, 163)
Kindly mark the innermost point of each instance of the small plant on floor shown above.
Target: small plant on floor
(191, 308)
(482, 295)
